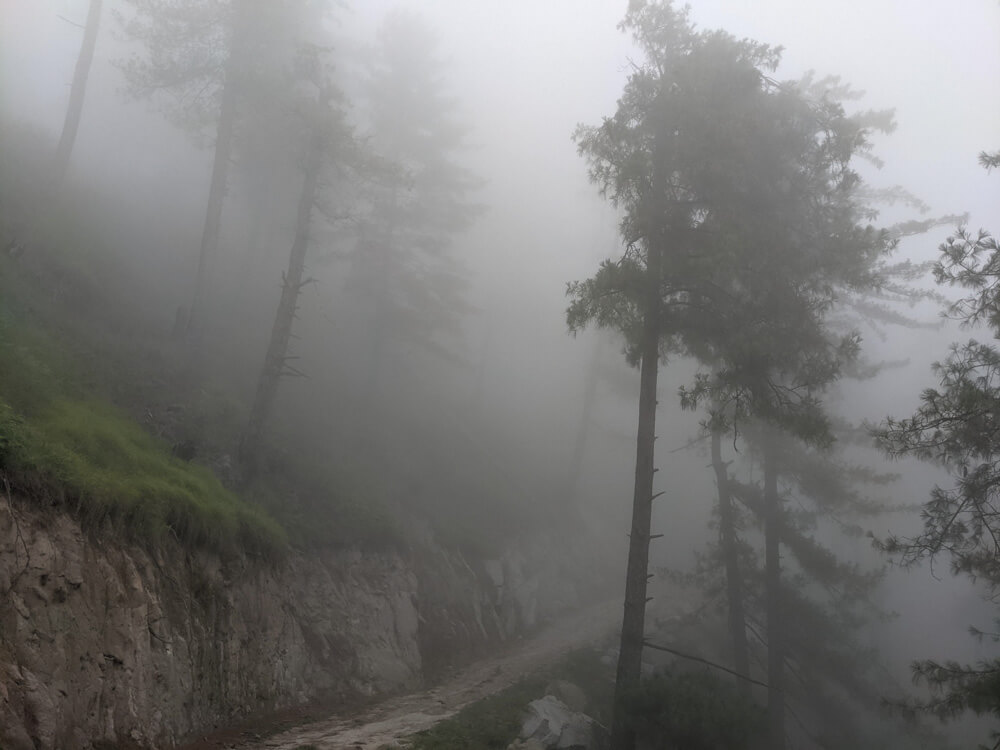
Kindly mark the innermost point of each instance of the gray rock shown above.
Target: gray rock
(556, 726)
(104, 640)
(569, 694)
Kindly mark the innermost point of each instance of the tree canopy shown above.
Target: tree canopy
(744, 224)
(957, 426)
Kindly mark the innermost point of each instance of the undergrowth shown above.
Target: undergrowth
(673, 708)
(85, 323)
(494, 722)
(57, 443)
(696, 710)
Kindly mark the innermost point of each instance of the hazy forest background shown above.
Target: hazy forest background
(320, 252)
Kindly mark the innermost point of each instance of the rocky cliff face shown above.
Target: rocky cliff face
(102, 642)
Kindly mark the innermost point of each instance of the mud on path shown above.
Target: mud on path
(389, 721)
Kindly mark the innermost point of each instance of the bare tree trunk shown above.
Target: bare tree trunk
(772, 575)
(77, 93)
(734, 582)
(220, 177)
(276, 359)
(633, 622)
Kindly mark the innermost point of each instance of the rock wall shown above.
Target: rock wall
(102, 642)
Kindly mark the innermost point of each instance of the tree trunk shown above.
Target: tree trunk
(217, 189)
(76, 95)
(730, 553)
(775, 637)
(275, 361)
(633, 622)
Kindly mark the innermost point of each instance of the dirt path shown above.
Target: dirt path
(395, 718)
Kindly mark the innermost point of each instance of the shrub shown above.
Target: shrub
(696, 711)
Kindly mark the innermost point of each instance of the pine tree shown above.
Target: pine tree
(956, 426)
(406, 281)
(198, 61)
(834, 684)
(743, 227)
(332, 166)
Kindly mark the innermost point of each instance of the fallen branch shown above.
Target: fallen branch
(692, 657)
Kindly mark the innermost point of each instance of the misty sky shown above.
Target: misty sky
(527, 72)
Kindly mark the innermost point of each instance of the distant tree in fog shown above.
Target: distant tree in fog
(330, 159)
(836, 682)
(74, 109)
(200, 61)
(743, 226)
(406, 282)
(957, 426)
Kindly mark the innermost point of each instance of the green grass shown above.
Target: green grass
(58, 444)
(697, 710)
(672, 709)
(83, 325)
(489, 724)
(495, 722)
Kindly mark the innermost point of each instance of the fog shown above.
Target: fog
(479, 422)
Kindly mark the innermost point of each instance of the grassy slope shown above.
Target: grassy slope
(84, 360)
(59, 442)
(86, 348)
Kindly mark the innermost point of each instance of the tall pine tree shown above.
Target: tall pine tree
(742, 225)
(406, 281)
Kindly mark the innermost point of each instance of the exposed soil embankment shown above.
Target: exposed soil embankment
(105, 642)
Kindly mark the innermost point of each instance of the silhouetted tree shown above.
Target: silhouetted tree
(742, 226)
(729, 546)
(77, 92)
(407, 283)
(199, 60)
(331, 164)
(957, 426)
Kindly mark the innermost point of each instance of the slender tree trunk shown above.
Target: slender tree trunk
(775, 637)
(734, 582)
(77, 93)
(629, 672)
(633, 622)
(275, 361)
(217, 189)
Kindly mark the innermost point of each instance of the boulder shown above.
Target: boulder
(569, 694)
(555, 726)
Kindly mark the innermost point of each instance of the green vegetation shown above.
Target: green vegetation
(322, 504)
(85, 453)
(489, 724)
(494, 722)
(696, 711)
